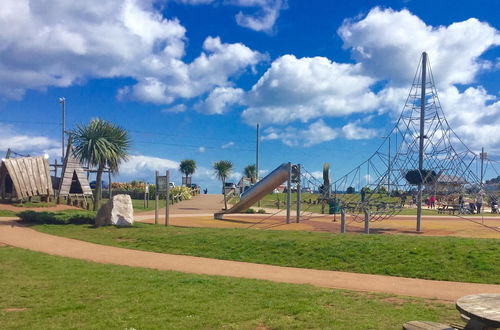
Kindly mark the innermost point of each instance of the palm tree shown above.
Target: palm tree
(250, 171)
(101, 144)
(222, 170)
(187, 167)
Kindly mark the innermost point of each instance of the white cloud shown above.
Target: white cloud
(72, 42)
(352, 131)
(175, 109)
(26, 143)
(265, 18)
(227, 145)
(301, 89)
(141, 166)
(201, 149)
(315, 133)
(220, 100)
(388, 43)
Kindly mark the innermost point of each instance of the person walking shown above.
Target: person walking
(479, 203)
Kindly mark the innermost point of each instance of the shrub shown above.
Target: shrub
(250, 211)
(59, 218)
(261, 211)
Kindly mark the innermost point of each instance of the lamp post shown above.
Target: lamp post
(62, 101)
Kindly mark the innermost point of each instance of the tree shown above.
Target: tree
(101, 144)
(250, 171)
(222, 170)
(187, 167)
(350, 190)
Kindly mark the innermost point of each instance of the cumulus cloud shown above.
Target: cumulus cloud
(73, 42)
(26, 143)
(175, 109)
(315, 133)
(265, 19)
(141, 166)
(301, 89)
(201, 149)
(352, 131)
(387, 43)
(221, 100)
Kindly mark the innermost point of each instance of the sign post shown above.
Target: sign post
(161, 187)
(167, 199)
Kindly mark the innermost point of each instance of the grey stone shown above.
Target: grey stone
(118, 211)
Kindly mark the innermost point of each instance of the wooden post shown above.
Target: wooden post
(367, 221)
(156, 198)
(342, 221)
(110, 191)
(167, 200)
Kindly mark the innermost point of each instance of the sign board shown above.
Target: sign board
(186, 181)
(162, 184)
(146, 188)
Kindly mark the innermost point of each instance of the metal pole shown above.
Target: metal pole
(257, 160)
(482, 162)
(289, 193)
(389, 167)
(156, 198)
(167, 200)
(62, 100)
(421, 138)
(342, 221)
(299, 195)
(367, 221)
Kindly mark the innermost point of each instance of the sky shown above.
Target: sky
(190, 79)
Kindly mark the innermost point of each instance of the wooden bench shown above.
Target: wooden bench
(427, 325)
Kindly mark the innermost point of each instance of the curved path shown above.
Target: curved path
(14, 234)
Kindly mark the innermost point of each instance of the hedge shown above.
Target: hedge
(59, 218)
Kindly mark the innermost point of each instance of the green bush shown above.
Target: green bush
(261, 211)
(250, 211)
(59, 218)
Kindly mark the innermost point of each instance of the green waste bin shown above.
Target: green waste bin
(333, 207)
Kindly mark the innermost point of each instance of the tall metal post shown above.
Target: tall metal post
(156, 198)
(299, 197)
(342, 221)
(167, 200)
(482, 164)
(62, 100)
(367, 221)
(257, 159)
(421, 138)
(389, 167)
(289, 193)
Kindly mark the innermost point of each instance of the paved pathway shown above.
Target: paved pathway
(15, 234)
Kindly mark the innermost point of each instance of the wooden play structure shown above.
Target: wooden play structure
(25, 177)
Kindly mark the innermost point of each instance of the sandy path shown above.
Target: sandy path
(14, 234)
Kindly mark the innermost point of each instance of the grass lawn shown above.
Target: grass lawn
(48, 292)
(438, 258)
(7, 213)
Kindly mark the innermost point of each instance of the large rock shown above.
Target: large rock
(117, 211)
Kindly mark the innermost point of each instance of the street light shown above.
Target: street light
(62, 101)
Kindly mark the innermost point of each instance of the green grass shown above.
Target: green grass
(47, 292)
(7, 213)
(138, 204)
(438, 258)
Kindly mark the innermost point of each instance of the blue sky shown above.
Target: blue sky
(191, 78)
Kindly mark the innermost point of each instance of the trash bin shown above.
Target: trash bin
(333, 207)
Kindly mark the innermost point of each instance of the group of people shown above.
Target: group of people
(466, 204)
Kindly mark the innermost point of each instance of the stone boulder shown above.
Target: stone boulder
(118, 211)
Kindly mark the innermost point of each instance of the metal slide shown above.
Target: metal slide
(261, 189)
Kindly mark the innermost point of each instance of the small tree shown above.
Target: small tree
(222, 170)
(350, 190)
(250, 171)
(187, 167)
(101, 144)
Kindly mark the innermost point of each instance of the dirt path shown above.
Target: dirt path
(15, 234)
